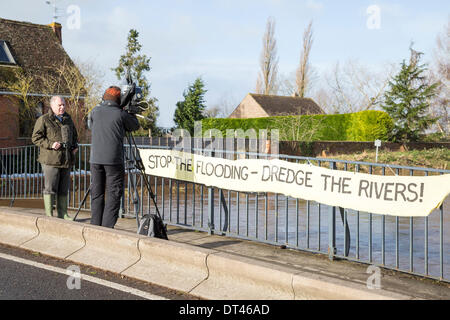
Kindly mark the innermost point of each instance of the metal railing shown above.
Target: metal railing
(419, 245)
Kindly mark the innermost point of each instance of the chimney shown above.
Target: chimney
(56, 27)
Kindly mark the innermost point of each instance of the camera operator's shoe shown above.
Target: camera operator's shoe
(61, 207)
(48, 204)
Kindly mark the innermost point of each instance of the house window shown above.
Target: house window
(5, 54)
(39, 110)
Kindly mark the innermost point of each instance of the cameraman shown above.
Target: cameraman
(108, 123)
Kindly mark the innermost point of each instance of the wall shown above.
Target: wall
(9, 125)
(248, 108)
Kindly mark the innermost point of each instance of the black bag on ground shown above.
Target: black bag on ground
(153, 226)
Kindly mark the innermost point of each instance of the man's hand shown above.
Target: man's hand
(56, 145)
(74, 151)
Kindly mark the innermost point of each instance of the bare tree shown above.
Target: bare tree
(297, 128)
(267, 77)
(259, 86)
(80, 84)
(83, 82)
(286, 84)
(323, 97)
(303, 74)
(440, 72)
(223, 107)
(23, 85)
(93, 83)
(354, 87)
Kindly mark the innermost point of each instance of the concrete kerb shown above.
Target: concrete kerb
(170, 264)
(309, 286)
(57, 238)
(107, 249)
(202, 272)
(17, 229)
(241, 278)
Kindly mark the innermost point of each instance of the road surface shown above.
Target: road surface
(26, 275)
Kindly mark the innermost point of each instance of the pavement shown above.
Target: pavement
(213, 266)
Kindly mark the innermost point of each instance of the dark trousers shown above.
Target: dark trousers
(56, 180)
(106, 181)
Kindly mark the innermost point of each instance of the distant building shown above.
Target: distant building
(261, 105)
(36, 50)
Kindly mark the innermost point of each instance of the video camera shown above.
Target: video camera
(131, 98)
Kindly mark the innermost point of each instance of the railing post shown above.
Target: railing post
(25, 175)
(332, 226)
(211, 210)
(211, 197)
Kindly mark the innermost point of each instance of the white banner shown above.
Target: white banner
(407, 196)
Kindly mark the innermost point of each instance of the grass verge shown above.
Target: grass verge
(437, 158)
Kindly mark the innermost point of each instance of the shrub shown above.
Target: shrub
(360, 126)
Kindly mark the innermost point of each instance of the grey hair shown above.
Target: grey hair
(53, 98)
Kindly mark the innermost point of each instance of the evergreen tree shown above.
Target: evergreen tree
(407, 100)
(138, 64)
(192, 108)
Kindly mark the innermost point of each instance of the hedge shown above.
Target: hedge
(360, 126)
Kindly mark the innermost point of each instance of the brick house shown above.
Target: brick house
(261, 105)
(36, 52)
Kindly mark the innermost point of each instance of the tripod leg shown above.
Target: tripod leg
(138, 164)
(82, 202)
(136, 198)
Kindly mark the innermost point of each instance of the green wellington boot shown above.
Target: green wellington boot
(48, 204)
(61, 207)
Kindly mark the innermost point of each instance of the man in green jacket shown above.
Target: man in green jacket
(56, 136)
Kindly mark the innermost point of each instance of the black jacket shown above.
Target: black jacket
(108, 123)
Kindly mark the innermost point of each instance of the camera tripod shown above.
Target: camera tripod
(133, 161)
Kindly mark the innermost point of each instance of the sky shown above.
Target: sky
(221, 40)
